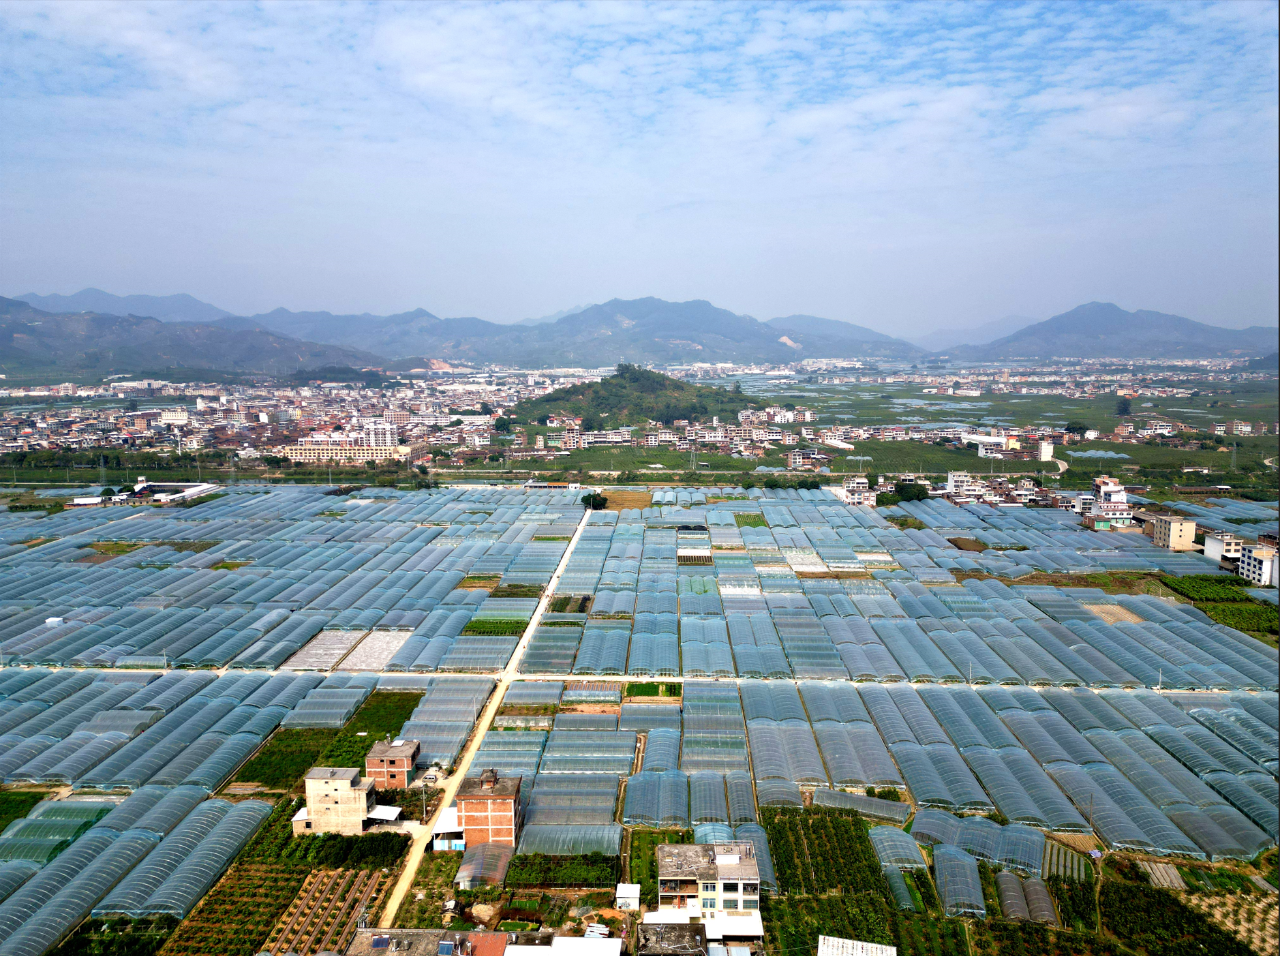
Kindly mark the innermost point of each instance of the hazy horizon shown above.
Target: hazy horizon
(907, 168)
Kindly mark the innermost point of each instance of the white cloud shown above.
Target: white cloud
(894, 164)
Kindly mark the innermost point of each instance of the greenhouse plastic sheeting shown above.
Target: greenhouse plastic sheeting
(1039, 902)
(1013, 901)
(707, 801)
(959, 887)
(754, 833)
(27, 900)
(193, 877)
(707, 833)
(650, 717)
(132, 893)
(64, 911)
(742, 800)
(657, 800)
(872, 807)
(571, 840)
(484, 865)
(581, 751)
(15, 873)
(893, 847)
(898, 888)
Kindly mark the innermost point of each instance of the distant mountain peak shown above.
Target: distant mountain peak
(168, 308)
(1104, 330)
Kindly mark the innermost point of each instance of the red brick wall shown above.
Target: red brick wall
(488, 820)
(389, 774)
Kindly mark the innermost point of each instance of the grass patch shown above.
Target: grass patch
(480, 582)
(644, 865)
(517, 591)
(229, 565)
(583, 870)
(383, 714)
(286, 757)
(496, 627)
(115, 548)
(570, 604)
(750, 520)
(914, 524)
(16, 804)
(650, 689)
(527, 710)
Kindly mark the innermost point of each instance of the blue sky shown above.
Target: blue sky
(904, 166)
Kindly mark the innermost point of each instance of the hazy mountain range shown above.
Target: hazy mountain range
(179, 330)
(34, 342)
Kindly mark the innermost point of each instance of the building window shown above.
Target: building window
(750, 904)
(751, 889)
(731, 904)
(708, 903)
(708, 887)
(731, 887)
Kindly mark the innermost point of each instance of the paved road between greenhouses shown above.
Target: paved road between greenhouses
(511, 672)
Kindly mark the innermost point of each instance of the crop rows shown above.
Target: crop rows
(1155, 920)
(1199, 588)
(236, 917)
(591, 870)
(822, 849)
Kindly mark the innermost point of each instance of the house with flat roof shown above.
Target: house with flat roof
(489, 809)
(338, 801)
(708, 879)
(389, 764)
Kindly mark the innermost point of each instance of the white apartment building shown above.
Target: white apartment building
(962, 483)
(1111, 502)
(1258, 565)
(857, 490)
(376, 441)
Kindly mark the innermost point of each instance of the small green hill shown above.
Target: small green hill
(632, 397)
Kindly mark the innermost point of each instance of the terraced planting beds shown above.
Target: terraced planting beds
(325, 913)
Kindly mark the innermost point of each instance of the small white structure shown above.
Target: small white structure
(1223, 546)
(627, 896)
(835, 946)
(448, 834)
